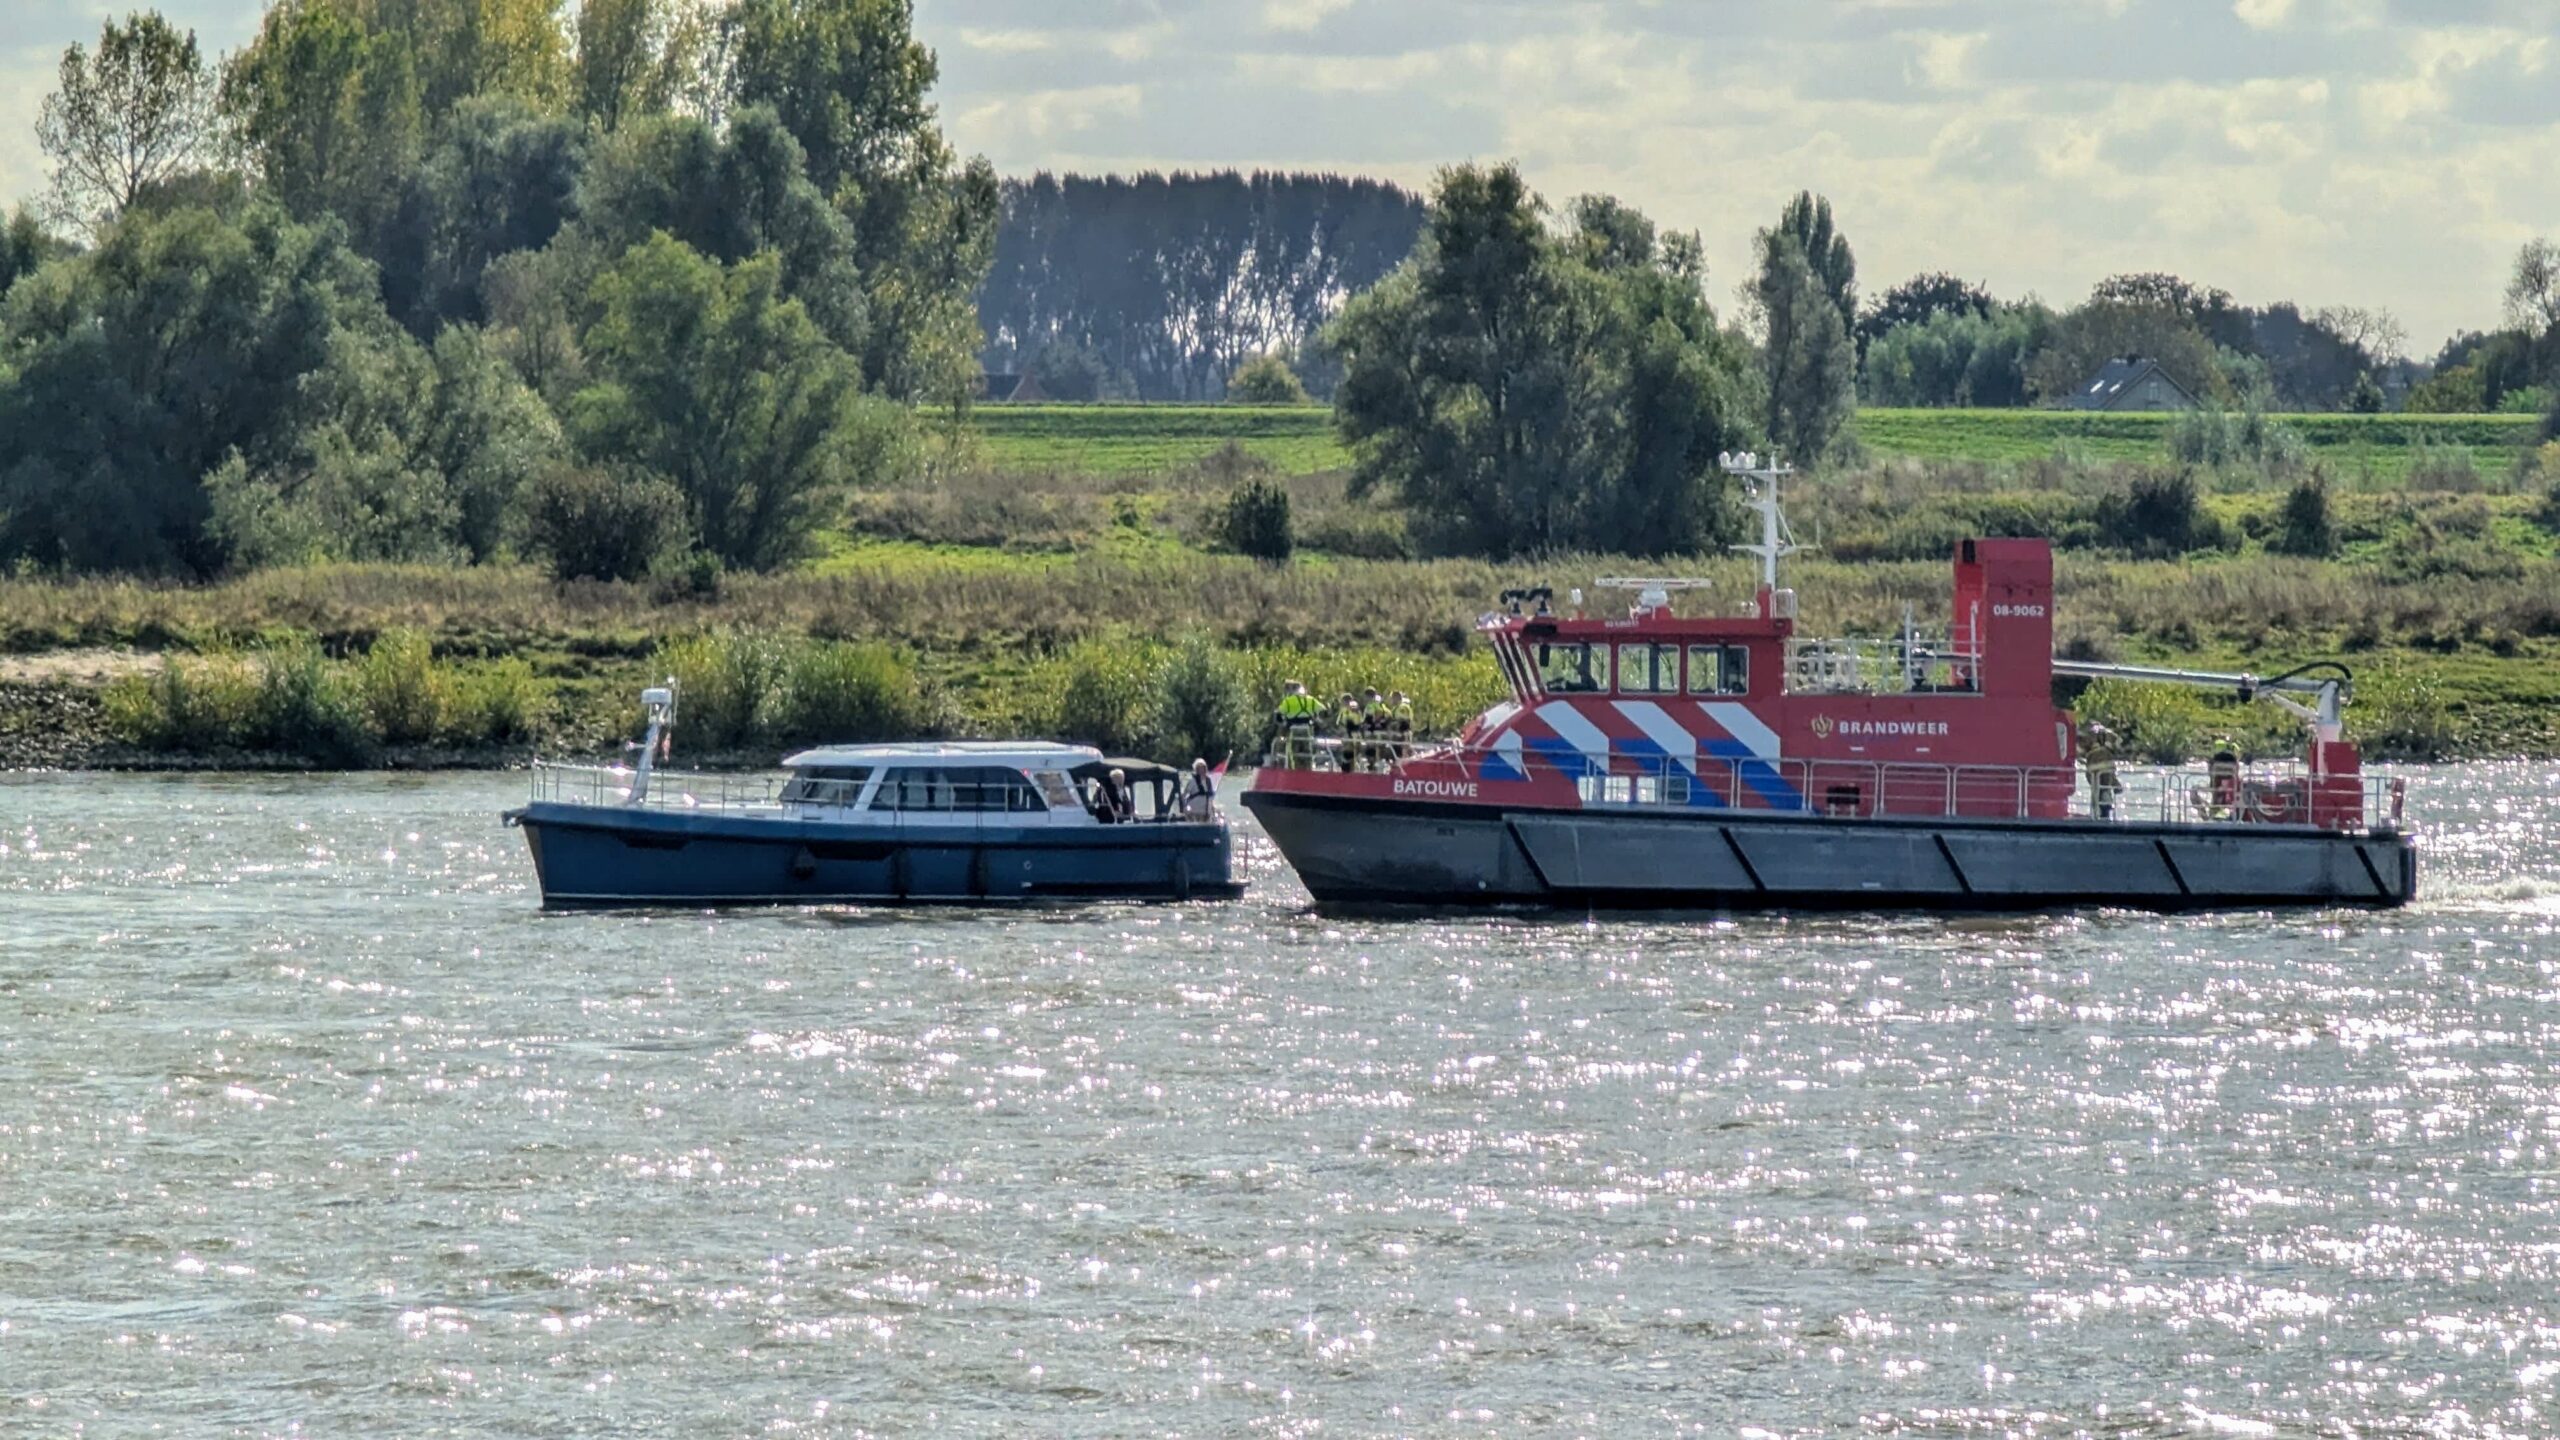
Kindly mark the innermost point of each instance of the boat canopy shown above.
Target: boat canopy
(1139, 772)
(1018, 754)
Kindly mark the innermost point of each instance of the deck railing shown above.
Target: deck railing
(2269, 793)
(674, 790)
(1920, 665)
(692, 792)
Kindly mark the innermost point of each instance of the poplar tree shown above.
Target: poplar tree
(137, 111)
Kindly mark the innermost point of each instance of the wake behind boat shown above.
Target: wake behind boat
(970, 822)
(1651, 759)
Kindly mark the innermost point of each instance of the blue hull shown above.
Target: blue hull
(591, 855)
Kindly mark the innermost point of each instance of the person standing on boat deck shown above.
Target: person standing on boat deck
(1373, 707)
(1347, 717)
(2098, 753)
(1200, 792)
(1299, 712)
(1117, 800)
(2221, 799)
(1400, 726)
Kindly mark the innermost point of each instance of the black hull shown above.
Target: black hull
(1355, 851)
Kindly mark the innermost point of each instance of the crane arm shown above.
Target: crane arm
(2332, 689)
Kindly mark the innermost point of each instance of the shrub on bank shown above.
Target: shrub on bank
(835, 692)
(2304, 527)
(2397, 716)
(1255, 520)
(290, 698)
(1201, 707)
(2157, 515)
(1098, 693)
(306, 707)
(591, 524)
(726, 683)
(400, 689)
(741, 689)
(188, 705)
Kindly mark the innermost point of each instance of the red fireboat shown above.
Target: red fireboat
(1651, 759)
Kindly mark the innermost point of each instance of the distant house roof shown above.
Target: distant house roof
(1004, 386)
(2120, 378)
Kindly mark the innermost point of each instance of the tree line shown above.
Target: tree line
(642, 280)
(1160, 287)
(441, 279)
(1533, 382)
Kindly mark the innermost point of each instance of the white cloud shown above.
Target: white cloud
(1299, 16)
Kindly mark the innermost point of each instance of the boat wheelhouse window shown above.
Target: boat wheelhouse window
(826, 785)
(977, 789)
(1573, 669)
(1649, 669)
(1719, 670)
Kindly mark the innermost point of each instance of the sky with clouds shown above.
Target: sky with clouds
(2373, 152)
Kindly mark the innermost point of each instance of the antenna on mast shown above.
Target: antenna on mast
(1760, 475)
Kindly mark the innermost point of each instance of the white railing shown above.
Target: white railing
(685, 790)
(2270, 793)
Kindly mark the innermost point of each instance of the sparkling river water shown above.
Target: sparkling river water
(312, 1123)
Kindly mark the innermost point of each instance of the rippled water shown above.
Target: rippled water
(310, 1120)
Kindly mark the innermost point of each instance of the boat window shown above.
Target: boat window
(914, 790)
(1573, 669)
(976, 789)
(1719, 670)
(826, 785)
(992, 788)
(1649, 669)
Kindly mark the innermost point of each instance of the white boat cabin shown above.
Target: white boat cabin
(974, 782)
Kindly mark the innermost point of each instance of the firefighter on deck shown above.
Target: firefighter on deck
(2098, 754)
(1296, 722)
(1351, 723)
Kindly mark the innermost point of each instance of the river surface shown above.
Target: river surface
(311, 1122)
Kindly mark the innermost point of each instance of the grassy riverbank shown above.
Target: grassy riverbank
(1041, 582)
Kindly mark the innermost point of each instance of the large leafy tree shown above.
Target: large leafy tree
(848, 80)
(502, 178)
(1807, 221)
(716, 380)
(184, 338)
(135, 112)
(1956, 357)
(636, 58)
(1920, 299)
(24, 248)
(1806, 293)
(730, 196)
(511, 48)
(329, 111)
(1519, 391)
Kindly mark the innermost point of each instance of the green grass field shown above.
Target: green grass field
(2360, 451)
(1141, 439)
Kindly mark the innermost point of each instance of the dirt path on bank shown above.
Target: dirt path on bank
(75, 667)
